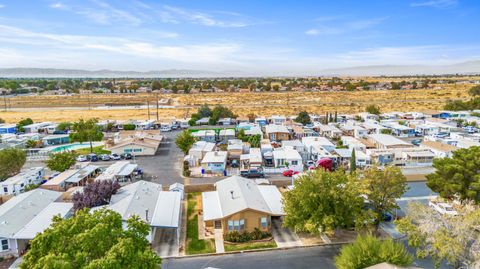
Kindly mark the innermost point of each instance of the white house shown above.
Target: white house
(215, 162)
(226, 134)
(205, 135)
(441, 150)
(25, 215)
(198, 151)
(277, 119)
(315, 145)
(384, 141)
(35, 127)
(122, 171)
(16, 184)
(147, 200)
(287, 158)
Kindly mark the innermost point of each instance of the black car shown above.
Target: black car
(126, 156)
(252, 174)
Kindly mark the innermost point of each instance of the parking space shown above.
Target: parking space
(165, 242)
(284, 237)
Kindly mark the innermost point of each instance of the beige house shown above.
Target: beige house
(239, 204)
(277, 133)
(138, 143)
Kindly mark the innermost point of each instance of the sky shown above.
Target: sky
(266, 37)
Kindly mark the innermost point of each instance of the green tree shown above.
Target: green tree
(11, 162)
(452, 239)
(353, 162)
(373, 109)
(92, 240)
(156, 85)
(185, 141)
(323, 201)
(64, 126)
(254, 140)
(219, 112)
(30, 144)
(383, 187)
(303, 118)
(368, 250)
(86, 131)
(23, 123)
(474, 91)
(457, 177)
(129, 127)
(61, 161)
(204, 111)
(241, 135)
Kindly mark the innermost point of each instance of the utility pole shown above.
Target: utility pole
(157, 105)
(5, 100)
(148, 107)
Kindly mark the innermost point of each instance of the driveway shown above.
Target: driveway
(166, 166)
(283, 236)
(165, 242)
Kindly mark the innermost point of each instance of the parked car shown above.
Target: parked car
(253, 173)
(126, 156)
(57, 132)
(115, 157)
(289, 173)
(416, 142)
(165, 128)
(470, 129)
(82, 158)
(53, 175)
(104, 157)
(443, 208)
(92, 157)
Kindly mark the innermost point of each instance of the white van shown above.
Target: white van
(165, 127)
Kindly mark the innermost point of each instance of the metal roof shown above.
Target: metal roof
(21, 209)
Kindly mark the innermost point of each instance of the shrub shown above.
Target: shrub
(237, 237)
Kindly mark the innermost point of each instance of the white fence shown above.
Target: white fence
(270, 170)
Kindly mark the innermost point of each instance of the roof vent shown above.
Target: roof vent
(231, 192)
(137, 197)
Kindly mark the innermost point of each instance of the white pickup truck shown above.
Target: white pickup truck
(443, 208)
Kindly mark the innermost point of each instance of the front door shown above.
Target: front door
(218, 224)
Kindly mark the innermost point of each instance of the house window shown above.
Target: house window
(236, 225)
(5, 189)
(294, 162)
(230, 225)
(242, 225)
(4, 243)
(127, 150)
(137, 150)
(263, 222)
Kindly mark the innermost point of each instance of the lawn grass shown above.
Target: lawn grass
(250, 245)
(195, 245)
(97, 150)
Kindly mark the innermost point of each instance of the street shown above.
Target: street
(297, 258)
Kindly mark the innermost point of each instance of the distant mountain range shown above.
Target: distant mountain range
(470, 67)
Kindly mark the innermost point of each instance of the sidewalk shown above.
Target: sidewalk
(219, 241)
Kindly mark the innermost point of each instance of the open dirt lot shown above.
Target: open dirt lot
(69, 108)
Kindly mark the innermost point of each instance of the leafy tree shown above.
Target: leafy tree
(452, 239)
(368, 250)
(185, 141)
(86, 131)
(31, 144)
(241, 135)
(129, 127)
(219, 112)
(2, 121)
(353, 162)
(457, 177)
(97, 193)
(64, 126)
(11, 162)
(204, 111)
(323, 201)
(92, 240)
(61, 161)
(373, 109)
(303, 118)
(474, 91)
(156, 85)
(383, 187)
(254, 140)
(22, 123)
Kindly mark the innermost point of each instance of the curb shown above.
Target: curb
(255, 250)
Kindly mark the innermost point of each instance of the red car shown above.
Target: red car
(289, 173)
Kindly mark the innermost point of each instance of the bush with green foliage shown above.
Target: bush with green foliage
(92, 240)
(373, 109)
(86, 131)
(242, 237)
(61, 161)
(185, 141)
(368, 250)
(219, 112)
(23, 123)
(303, 118)
(129, 127)
(11, 162)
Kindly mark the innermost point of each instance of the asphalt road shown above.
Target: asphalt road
(298, 258)
(166, 166)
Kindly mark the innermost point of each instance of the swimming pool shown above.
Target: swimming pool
(74, 146)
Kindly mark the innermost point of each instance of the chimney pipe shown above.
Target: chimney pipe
(231, 192)
(146, 215)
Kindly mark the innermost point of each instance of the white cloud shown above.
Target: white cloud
(59, 5)
(2, 6)
(335, 26)
(436, 4)
(175, 14)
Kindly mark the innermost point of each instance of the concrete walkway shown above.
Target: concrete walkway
(219, 241)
